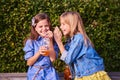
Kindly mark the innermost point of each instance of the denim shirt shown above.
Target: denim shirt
(82, 59)
(32, 46)
(43, 62)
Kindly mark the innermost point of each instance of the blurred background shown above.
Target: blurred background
(101, 20)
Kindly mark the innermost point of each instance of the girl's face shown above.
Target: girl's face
(42, 27)
(65, 28)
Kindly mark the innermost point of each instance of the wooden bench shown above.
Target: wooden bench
(22, 76)
(114, 75)
(19, 76)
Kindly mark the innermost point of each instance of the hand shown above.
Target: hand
(44, 51)
(57, 34)
(49, 34)
(58, 39)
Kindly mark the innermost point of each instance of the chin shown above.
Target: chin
(42, 35)
(65, 34)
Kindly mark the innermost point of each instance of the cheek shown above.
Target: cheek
(48, 28)
(37, 29)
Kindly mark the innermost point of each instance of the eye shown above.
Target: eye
(46, 25)
(63, 24)
(40, 26)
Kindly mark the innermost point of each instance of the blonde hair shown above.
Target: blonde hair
(74, 20)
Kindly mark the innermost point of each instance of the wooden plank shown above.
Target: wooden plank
(22, 76)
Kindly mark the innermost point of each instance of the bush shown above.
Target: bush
(100, 17)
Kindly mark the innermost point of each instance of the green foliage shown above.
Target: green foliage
(101, 19)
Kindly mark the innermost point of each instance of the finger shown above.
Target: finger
(57, 30)
(50, 34)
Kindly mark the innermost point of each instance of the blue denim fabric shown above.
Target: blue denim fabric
(83, 60)
(47, 72)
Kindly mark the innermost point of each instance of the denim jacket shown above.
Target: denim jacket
(82, 59)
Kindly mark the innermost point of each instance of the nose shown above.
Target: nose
(44, 28)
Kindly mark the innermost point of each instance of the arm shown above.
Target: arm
(33, 59)
(58, 39)
(29, 53)
(52, 52)
(75, 50)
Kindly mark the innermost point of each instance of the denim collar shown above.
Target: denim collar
(39, 38)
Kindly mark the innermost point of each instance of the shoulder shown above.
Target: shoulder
(28, 45)
(28, 41)
(77, 37)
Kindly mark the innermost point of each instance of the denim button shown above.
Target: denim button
(79, 74)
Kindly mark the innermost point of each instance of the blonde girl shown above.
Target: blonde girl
(78, 52)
